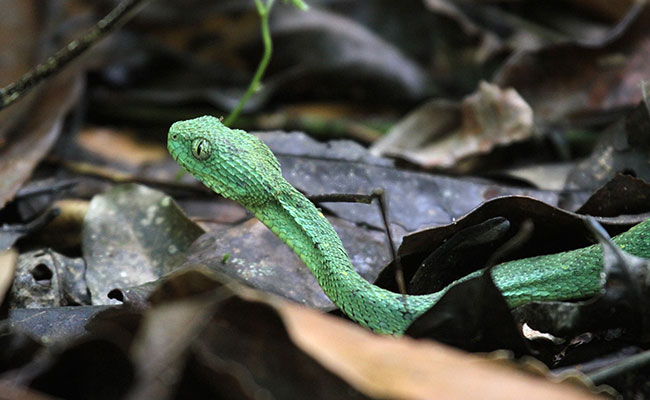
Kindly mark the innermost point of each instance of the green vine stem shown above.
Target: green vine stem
(264, 11)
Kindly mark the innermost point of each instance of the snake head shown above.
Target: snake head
(231, 162)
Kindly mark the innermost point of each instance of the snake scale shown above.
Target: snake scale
(240, 167)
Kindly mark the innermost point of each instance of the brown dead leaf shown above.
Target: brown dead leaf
(19, 30)
(120, 146)
(31, 126)
(439, 134)
(64, 231)
(403, 368)
(245, 325)
(575, 80)
(7, 269)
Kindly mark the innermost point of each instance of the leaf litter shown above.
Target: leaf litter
(206, 335)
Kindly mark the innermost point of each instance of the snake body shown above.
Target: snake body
(239, 166)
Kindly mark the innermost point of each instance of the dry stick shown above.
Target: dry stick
(632, 363)
(54, 63)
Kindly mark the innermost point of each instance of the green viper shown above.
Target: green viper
(240, 167)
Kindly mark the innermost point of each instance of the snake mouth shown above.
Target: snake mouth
(174, 154)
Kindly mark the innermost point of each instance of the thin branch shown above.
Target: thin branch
(119, 15)
(378, 194)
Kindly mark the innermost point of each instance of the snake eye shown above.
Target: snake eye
(201, 149)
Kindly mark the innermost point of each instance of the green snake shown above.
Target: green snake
(240, 167)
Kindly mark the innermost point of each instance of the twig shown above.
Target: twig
(383, 207)
(54, 63)
(632, 363)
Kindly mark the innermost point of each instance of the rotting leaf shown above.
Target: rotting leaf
(45, 278)
(225, 340)
(132, 235)
(26, 149)
(120, 147)
(337, 56)
(489, 117)
(16, 349)
(135, 296)
(163, 339)
(317, 354)
(338, 53)
(11, 391)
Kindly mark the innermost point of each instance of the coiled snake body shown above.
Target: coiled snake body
(239, 166)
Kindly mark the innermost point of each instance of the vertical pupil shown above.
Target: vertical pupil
(198, 148)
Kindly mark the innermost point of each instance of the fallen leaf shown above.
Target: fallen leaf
(7, 269)
(388, 367)
(132, 235)
(439, 134)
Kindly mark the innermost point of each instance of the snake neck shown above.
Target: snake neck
(297, 222)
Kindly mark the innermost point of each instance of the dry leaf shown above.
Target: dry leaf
(439, 134)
